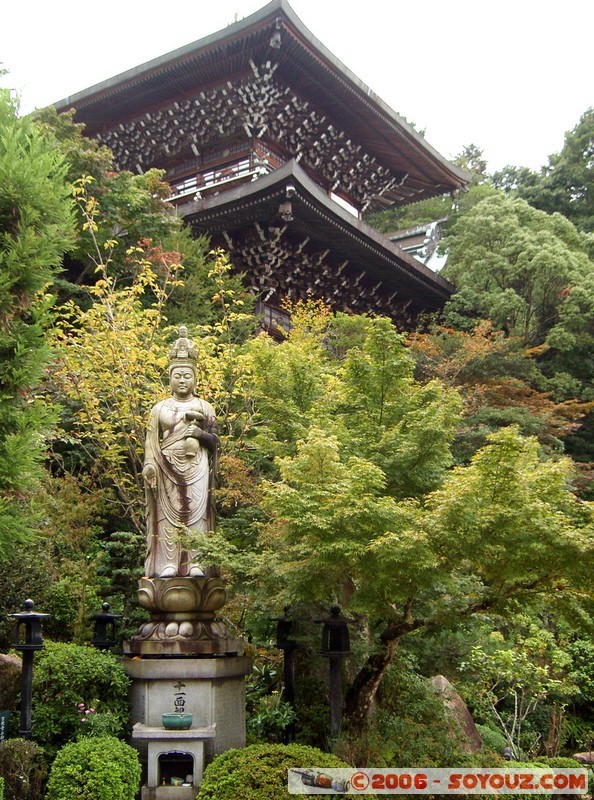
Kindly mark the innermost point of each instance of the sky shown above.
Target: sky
(510, 76)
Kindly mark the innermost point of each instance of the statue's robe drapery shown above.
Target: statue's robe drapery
(185, 474)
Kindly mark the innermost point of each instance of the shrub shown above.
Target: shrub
(23, 769)
(10, 680)
(66, 675)
(97, 723)
(564, 762)
(1, 788)
(259, 772)
(492, 739)
(268, 719)
(551, 762)
(102, 768)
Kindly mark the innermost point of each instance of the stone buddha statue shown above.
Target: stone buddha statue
(179, 469)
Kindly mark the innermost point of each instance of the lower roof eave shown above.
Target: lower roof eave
(317, 216)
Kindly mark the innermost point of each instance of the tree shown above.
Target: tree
(113, 355)
(133, 208)
(441, 207)
(363, 510)
(511, 686)
(356, 516)
(473, 161)
(111, 358)
(500, 383)
(565, 185)
(513, 265)
(36, 228)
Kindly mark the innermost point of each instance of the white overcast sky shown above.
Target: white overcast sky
(510, 76)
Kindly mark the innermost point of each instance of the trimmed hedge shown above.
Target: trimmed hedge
(259, 772)
(101, 768)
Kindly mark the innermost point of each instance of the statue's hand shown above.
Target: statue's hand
(195, 432)
(149, 474)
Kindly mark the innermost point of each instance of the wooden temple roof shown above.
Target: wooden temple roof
(275, 36)
(295, 239)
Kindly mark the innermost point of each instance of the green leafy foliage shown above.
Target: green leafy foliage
(259, 772)
(120, 566)
(96, 722)
(66, 675)
(509, 675)
(102, 768)
(111, 358)
(492, 738)
(500, 383)
(269, 718)
(512, 264)
(29, 568)
(410, 727)
(133, 207)
(363, 509)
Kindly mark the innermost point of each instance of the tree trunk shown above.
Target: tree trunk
(360, 696)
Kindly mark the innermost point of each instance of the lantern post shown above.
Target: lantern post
(29, 623)
(284, 642)
(335, 646)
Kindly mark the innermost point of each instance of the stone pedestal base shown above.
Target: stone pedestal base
(164, 747)
(211, 689)
(183, 660)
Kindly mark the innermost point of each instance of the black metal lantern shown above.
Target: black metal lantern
(30, 621)
(284, 628)
(104, 637)
(27, 639)
(335, 646)
(284, 642)
(335, 634)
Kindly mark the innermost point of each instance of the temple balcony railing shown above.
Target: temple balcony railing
(212, 181)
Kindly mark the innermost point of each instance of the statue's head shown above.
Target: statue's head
(183, 358)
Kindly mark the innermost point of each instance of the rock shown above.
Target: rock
(584, 758)
(10, 681)
(460, 713)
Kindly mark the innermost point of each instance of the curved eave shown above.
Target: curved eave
(387, 121)
(325, 223)
(304, 64)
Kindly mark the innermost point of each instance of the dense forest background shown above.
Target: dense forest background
(437, 485)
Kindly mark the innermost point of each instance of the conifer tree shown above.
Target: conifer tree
(36, 227)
